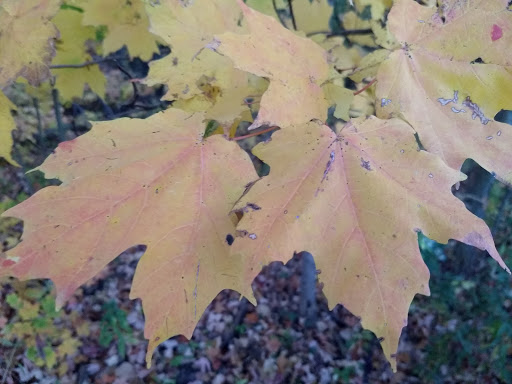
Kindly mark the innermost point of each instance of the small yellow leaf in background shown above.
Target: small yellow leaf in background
(198, 78)
(339, 96)
(7, 125)
(312, 16)
(29, 310)
(71, 49)
(369, 65)
(352, 21)
(127, 24)
(69, 344)
(267, 6)
(26, 39)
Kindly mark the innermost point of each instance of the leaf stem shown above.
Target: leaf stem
(86, 64)
(344, 32)
(365, 87)
(292, 15)
(255, 133)
(61, 129)
(277, 13)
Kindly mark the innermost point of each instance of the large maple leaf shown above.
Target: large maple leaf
(356, 202)
(449, 78)
(154, 182)
(294, 95)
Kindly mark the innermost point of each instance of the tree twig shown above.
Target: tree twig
(292, 15)
(87, 63)
(345, 32)
(254, 133)
(40, 139)
(9, 362)
(365, 87)
(134, 86)
(277, 13)
(81, 65)
(58, 116)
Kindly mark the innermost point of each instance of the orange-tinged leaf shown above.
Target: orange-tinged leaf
(435, 82)
(26, 39)
(294, 95)
(128, 182)
(356, 202)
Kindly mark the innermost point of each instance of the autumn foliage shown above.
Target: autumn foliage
(355, 174)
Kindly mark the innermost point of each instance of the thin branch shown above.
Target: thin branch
(365, 87)
(134, 86)
(292, 15)
(345, 32)
(251, 102)
(87, 63)
(40, 138)
(81, 65)
(277, 13)
(58, 116)
(254, 133)
(9, 362)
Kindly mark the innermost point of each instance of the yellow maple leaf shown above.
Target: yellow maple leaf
(71, 49)
(356, 201)
(311, 16)
(7, 125)
(169, 191)
(199, 79)
(352, 21)
(435, 82)
(271, 51)
(26, 39)
(127, 24)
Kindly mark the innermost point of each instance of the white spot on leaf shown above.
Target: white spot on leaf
(384, 102)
